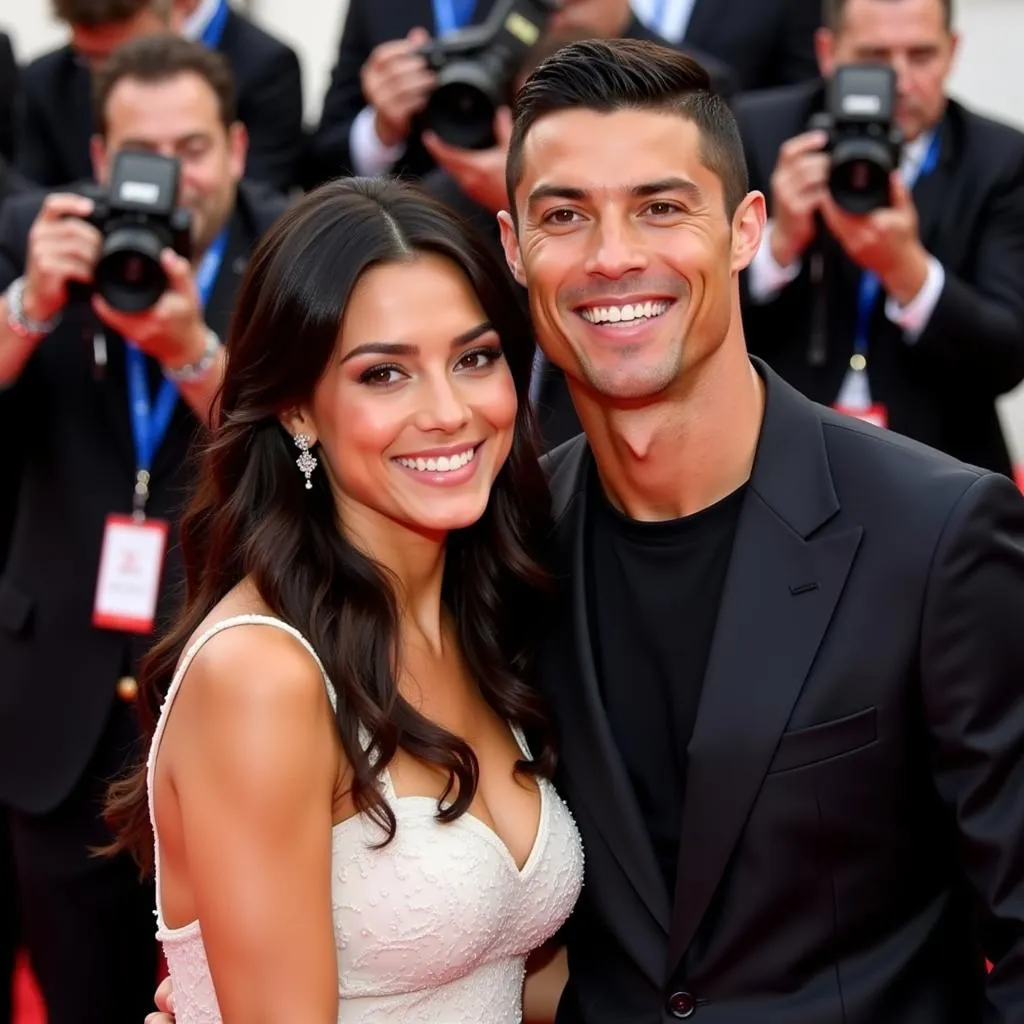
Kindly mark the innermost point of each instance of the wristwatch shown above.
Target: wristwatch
(192, 372)
(22, 325)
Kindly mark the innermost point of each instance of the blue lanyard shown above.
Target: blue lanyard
(870, 286)
(214, 30)
(150, 419)
(451, 15)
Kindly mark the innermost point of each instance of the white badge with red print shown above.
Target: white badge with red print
(131, 564)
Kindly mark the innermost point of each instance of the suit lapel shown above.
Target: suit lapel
(591, 757)
(781, 589)
(74, 123)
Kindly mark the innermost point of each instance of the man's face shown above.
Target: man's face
(909, 35)
(178, 117)
(626, 248)
(93, 44)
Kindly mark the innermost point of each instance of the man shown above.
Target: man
(55, 122)
(380, 84)
(766, 42)
(913, 315)
(785, 666)
(91, 410)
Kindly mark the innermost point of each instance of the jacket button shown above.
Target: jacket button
(681, 1005)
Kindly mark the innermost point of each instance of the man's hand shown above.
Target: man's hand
(885, 241)
(164, 1003)
(479, 173)
(61, 248)
(799, 185)
(173, 332)
(397, 82)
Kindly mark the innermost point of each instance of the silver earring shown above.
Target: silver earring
(306, 462)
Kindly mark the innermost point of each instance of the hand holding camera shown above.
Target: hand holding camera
(396, 82)
(799, 186)
(62, 248)
(124, 250)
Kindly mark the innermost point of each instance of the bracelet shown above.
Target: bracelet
(192, 372)
(23, 325)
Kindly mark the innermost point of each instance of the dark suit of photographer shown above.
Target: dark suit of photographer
(54, 120)
(945, 336)
(67, 713)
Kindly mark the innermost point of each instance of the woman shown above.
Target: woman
(349, 825)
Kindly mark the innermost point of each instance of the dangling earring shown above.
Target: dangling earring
(306, 462)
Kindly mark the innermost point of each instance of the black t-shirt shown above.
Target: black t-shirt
(653, 592)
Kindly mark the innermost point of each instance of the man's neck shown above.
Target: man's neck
(683, 451)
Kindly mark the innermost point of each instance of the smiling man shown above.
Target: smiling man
(782, 821)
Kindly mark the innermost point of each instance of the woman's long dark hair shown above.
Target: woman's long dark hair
(251, 515)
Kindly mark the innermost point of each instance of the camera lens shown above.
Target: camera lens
(461, 109)
(128, 274)
(859, 180)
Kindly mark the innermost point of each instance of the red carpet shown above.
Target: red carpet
(28, 1006)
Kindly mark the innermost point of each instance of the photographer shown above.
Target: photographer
(380, 83)
(104, 428)
(54, 121)
(909, 315)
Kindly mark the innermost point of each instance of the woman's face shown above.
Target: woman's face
(416, 411)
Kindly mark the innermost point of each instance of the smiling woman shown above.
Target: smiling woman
(349, 819)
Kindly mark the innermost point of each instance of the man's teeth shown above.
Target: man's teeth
(441, 464)
(618, 314)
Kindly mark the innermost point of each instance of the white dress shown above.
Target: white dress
(433, 928)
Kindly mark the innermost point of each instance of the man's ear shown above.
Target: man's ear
(747, 230)
(510, 243)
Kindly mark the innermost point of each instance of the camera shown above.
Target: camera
(863, 138)
(476, 69)
(138, 215)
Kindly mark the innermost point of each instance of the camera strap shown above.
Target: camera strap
(451, 15)
(870, 286)
(151, 417)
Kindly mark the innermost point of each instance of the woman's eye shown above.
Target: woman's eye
(380, 375)
(479, 359)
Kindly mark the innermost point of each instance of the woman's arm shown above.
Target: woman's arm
(254, 773)
(547, 971)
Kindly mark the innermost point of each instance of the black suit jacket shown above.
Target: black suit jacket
(369, 23)
(942, 389)
(853, 830)
(9, 76)
(766, 42)
(59, 673)
(54, 121)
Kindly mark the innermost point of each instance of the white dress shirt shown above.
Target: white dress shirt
(196, 22)
(669, 18)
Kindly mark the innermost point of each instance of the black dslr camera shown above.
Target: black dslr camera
(476, 68)
(863, 138)
(138, 216)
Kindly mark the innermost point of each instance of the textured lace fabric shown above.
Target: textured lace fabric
(432, 928)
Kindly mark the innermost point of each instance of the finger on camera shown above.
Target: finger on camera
(64, 267)
(58, 205)
(800, 146)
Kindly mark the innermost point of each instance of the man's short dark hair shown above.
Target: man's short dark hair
(832, 13)
(157, 58)
(629, 74)
(93, 13)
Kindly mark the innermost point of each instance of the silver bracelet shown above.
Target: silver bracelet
(23, 325)
(192, 372)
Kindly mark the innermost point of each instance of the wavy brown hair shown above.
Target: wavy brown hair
(251, 516)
